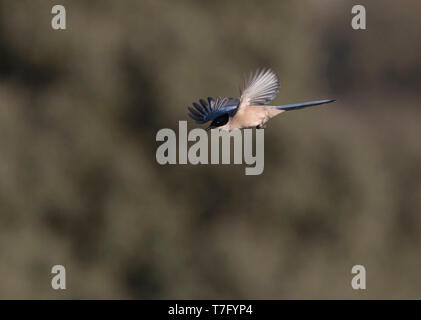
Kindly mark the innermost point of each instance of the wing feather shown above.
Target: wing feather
(259, 88)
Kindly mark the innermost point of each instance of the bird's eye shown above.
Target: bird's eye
(220, 121)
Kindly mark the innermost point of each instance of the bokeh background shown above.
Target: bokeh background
(80, 186)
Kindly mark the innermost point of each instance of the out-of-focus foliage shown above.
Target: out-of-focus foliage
(80, 186)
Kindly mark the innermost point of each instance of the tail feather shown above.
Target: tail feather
(295, 106)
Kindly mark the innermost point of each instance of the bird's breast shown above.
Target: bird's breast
(248, 117)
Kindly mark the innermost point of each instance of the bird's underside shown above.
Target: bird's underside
(251, 110)
(250, 117)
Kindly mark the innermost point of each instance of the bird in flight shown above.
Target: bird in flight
(251, 109)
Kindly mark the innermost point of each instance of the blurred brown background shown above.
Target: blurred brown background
(80, 186)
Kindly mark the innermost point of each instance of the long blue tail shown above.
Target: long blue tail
(294, 106)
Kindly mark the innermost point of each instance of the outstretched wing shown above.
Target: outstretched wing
(259, 88)
(211, 109)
